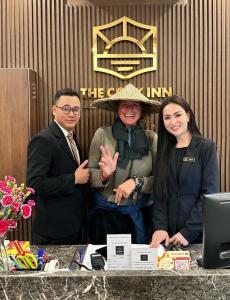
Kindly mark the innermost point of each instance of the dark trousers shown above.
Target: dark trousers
(74, 239)
(104, 222)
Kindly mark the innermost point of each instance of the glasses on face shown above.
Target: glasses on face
(67, 109)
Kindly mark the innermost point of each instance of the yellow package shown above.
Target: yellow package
(11, 249)
(175, 260)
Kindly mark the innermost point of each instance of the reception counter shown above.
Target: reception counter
(63, 284)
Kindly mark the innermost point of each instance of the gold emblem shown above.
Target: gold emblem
(117, 52)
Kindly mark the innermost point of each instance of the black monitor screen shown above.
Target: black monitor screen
(216, 239)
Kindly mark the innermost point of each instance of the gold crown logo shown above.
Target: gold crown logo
(117, 52)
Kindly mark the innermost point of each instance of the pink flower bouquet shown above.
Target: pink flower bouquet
(14, 204)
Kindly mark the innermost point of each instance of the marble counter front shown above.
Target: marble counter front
(63, 284)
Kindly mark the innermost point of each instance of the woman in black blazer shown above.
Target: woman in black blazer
(186, 169)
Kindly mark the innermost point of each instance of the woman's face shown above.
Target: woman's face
(175, 120)
(129, 112)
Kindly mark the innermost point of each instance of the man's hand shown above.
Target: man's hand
(178, 239)
(82, 174)
(124, 190)
(107, 163)
(158, 237)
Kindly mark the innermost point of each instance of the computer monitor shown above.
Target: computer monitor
(216, 237)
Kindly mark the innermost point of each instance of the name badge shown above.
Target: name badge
(189, 159)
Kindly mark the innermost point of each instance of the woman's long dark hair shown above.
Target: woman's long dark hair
(166, 141)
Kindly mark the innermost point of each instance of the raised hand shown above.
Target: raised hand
(82, 174)
(107, 163)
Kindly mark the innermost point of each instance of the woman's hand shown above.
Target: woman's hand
(124, 190)
(178, 239)
(158, 237)
(107, 163)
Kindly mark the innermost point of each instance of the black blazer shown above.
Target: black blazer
(50, 171)
(199, 174)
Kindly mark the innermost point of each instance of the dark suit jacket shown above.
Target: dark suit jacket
(50, 171)
(199, 174)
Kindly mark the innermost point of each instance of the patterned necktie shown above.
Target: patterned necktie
(73, 147)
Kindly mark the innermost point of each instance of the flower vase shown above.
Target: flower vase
(4, 260)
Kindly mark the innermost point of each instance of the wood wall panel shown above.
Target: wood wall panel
(17, 125)
(54, 38)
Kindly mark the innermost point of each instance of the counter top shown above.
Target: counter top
(196, 283)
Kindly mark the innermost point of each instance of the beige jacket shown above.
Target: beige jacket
(143, 167)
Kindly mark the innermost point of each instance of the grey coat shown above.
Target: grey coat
(143, 167)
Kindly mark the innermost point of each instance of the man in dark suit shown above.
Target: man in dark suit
(55, 172)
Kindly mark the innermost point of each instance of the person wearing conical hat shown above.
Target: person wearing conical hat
(121, 163)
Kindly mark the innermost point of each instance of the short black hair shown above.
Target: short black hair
(65, 92)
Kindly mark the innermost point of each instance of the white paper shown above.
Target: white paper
(143, 257)
(117, 259)
(119, 251)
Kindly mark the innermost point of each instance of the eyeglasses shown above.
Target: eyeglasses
(67, 109)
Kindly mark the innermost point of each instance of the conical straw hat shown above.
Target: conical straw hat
(128, 93)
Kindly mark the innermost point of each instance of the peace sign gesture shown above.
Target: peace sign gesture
(107, 163)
